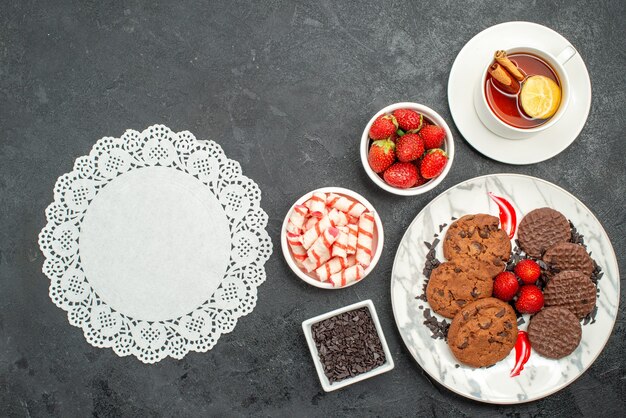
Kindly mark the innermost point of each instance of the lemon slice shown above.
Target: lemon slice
(540, 97)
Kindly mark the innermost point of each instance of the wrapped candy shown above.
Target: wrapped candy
(298, 251)
(364, 240)
(310, 223)
(317, 204)
(349, 275)
(309, 237)
(338, 218)
(340, 247)
(320, 251)
(347, 206)
(296, 221)
(353, 233)
(332, 266)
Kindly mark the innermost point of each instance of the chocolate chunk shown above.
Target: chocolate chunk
(485, 325)
(348, 344)
(500, 313)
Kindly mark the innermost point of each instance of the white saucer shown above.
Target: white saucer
(466, 72)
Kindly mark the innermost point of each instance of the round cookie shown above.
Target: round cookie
(542, 228)
(573, 290)
(569, 256)
(554, 332)
(478, 236)
(454, 284)
(483, 332)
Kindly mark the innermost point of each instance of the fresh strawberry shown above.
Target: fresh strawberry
(420, 180)
(401, 175)
(382, 154)
(409, 147)
(505, 286)
(433, 163)
(530, 299)
(383, 127)
(433, 136)
(408, 120)
(528, 271)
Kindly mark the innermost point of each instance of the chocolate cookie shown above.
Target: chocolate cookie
(478, 236)
(572, 290)
(554, 332)
(454, 284)
(542, 228)
(569, 256)
(483, 332)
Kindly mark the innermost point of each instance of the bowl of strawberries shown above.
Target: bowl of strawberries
(407, 149)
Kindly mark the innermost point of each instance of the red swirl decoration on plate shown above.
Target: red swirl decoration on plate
(508, 217)
(522, 352)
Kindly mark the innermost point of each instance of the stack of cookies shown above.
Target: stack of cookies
(569, 294)
(483, 329)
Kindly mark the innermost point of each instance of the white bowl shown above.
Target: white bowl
(448, 148)
(326, 385)
(377, 241)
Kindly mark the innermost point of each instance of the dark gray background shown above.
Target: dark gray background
(286, 89)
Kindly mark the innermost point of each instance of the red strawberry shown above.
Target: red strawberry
(382, 154)
(505, 286)
(408, 120)
(433, 136)
(528, 271)
(433, 163)
(409, 147)
(383, 127)
(401, 175)
(530, 300)
(420, 180)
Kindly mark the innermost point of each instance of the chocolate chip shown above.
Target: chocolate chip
(503, 334)
(483, 234)
(485, 325)
(477, 246)
(457, 270)
(462, 234)
(501, 313)
(348, 344)
(474, 293)
(461, 302)
(463, 345)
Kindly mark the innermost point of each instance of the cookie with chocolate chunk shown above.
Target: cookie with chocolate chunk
(569, 256)
(454, 284)
(554, 332)
(573, 290)
(483, 332)
(478, 236)
(542, 228)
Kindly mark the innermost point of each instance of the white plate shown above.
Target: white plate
(467, 71)
(541, 376)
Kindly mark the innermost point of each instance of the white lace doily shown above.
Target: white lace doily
(155, 244)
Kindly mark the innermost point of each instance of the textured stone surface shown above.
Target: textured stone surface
(286, 89)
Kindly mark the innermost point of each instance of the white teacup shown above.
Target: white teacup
(501, 128)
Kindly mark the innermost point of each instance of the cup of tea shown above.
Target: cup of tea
(523, 91)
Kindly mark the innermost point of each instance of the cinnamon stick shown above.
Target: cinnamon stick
(503, 60)
(504, 79)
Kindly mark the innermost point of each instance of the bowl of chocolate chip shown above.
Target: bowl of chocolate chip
(347, 345)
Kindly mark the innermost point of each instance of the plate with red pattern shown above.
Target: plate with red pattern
(523, 375)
